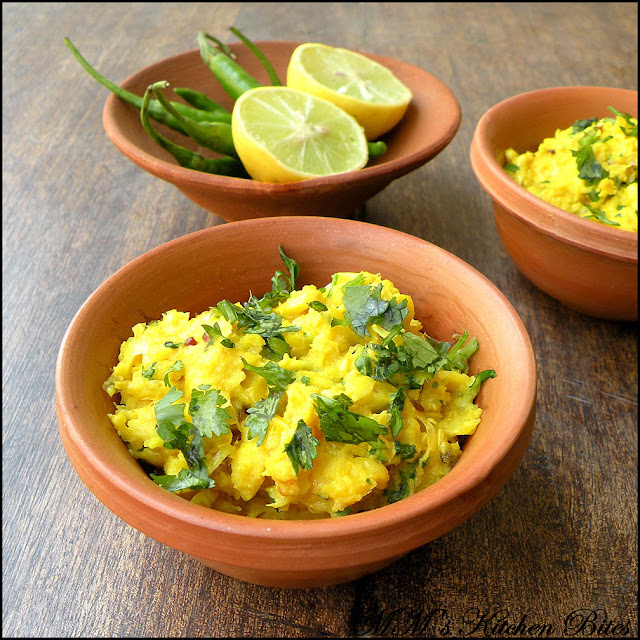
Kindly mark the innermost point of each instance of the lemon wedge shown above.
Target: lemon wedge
(367, 90)
(285, 135)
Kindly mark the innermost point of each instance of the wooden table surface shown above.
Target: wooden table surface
(556, 548)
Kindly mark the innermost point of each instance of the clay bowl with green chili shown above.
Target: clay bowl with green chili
(223, 262)
(429, 124)
(589, 267)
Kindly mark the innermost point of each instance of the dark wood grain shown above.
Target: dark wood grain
(560, 537)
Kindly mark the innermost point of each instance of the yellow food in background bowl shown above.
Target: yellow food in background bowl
(590, 169)
(304, 403)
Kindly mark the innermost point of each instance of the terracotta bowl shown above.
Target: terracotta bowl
(225, 262)
(430, 123)
(590, 267)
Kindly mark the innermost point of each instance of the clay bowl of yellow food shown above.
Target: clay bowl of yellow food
(427, 125)
(296, 401)
(561, 166)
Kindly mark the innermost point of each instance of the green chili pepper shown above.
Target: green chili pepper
(215, 136)
(377, 148)
(231, 76)
(199, 100)
(273, 76)
(155, 109)
(186, 158)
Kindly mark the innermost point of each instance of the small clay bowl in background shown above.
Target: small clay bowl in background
(430, 123)
(589, 267)
(225, 262)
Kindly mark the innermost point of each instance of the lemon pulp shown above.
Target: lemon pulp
(285, 135)
(367, 90)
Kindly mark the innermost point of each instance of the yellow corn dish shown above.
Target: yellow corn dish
(306, 403)
(590, 169)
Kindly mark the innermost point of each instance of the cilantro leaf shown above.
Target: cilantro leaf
(589, 169)
(480, 378)
(511, 167)
(302, 447)
(207, 414)
(460, 352)
(364, 306)
(149, 371)
(275, 348)
(260, 415)
(276, 377)
(600, 215)
(581, 125)
(405, 451)
(316, 305)
(395, 409)
(341, 425)
(282, 284)
(421, 353)
(418, 358)
(292, 267)
(169, 415)
(633, 131)
(177, 433)
(186, 479)
(214, 332)
(402, 486)
(253, 319)
(176, 366)
(228, 311)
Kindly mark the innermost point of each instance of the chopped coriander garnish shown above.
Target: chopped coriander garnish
(511, 167)
(149, 371)
(178, 433)
(260, 415)
(207, 414)
(276, 377)
(403, 485)
(341, 425)
(301, 449)
(589, 169)
(405, 451)
(601, 216)
(396, 405)
(480, 378)
(632, 131)
(581, 125)
(364, 306)
(316, 305)
(176, 366)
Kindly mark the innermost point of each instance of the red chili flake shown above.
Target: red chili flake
(552, 151)
(205, 337)
(189, 342)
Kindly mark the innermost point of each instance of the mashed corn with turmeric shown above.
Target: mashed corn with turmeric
(590, 169)
(305, 403)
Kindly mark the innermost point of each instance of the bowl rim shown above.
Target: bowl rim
(448, 489)
(533, 210)
(175, 173)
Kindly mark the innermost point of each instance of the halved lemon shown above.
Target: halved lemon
(285, 135)
(367, 90)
